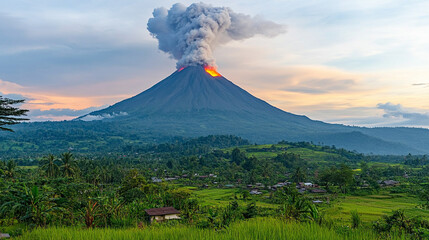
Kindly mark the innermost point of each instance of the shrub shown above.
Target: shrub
(355, 219)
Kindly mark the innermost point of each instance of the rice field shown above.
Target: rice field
(373, 207)
(222, 197)
(261, 228)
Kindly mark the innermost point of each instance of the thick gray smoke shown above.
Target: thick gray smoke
(190, 34)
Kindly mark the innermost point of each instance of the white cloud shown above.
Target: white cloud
(90, 117)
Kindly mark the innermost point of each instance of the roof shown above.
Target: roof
(4, 235)
(390, 182)
(162, 211)
(318, 190)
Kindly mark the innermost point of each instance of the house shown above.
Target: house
(390, 183)
(4, 235)
(317, 190)
(156, 180)
(170, 179)
(255, 192)
(163, 214)
(317, 201)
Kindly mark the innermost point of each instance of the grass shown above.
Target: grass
(313, 156)
(372, 207)
(27, 167)
(221, 197)
(261, 228)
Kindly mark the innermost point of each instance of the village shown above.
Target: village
(259, 189)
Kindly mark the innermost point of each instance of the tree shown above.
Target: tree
(344, 177)
(355, 219)
(298, 175)
(133, 186)
(49, 164)
(341, 177)
(9, 172)
(29, 205)
(170, 164)
(10, 115)
(190, 209)
(250, 163)
(69, 166)
(250, 211)
(245, 195)
(237, 156)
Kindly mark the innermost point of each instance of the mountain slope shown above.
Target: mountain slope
(193, 89)
(191, 102)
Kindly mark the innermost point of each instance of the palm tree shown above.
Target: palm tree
(49, 164)
(68, 167)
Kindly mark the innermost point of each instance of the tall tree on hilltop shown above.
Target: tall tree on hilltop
(10, 115)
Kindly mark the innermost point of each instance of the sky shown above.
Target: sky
(361, 63)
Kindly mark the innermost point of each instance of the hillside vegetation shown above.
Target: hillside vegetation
(224, 187)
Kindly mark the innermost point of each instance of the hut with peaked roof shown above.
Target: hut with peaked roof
(162, 214)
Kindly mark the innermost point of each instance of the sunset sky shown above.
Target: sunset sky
(362, 63)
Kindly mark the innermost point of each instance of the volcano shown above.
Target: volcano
(195, 101)
(195, 92)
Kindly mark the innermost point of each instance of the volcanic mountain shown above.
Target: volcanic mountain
(195, 102)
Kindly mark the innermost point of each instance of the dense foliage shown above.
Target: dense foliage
(112, 190)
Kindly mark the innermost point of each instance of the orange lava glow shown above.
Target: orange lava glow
(180, 69)
(212, 71)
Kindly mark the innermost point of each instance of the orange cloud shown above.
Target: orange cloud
(36, 99)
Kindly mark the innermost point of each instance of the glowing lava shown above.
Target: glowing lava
(180, 69)
(212, 71)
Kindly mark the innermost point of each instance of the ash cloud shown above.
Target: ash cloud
(190, 34)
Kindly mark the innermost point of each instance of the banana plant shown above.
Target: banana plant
(29, 205)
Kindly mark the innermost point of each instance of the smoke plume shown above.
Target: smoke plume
(190, 34)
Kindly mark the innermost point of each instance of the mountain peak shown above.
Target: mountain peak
(193, 88)
(212, 71)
